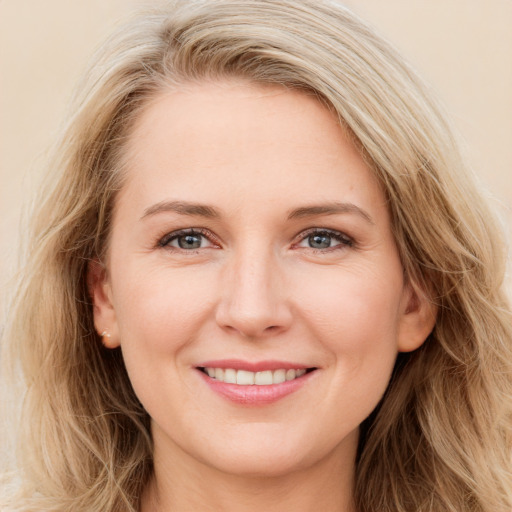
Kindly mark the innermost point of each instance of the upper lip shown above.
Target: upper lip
(253, 366)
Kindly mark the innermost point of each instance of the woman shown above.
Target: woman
(263, 279)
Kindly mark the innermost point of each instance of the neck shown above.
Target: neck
(180, 483)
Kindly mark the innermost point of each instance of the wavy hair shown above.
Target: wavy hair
(441, 438)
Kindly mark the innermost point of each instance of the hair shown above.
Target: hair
(440, 438)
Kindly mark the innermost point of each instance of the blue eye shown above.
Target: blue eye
(189, 241)
(186, 239)
(324, 239)
(319, 241)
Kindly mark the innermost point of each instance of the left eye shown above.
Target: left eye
(186, 240)
(324, 240)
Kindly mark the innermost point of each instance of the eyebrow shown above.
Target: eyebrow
(331, 208)
(203, 210)
(182, 208)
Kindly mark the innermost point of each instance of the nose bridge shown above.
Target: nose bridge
(253, 301)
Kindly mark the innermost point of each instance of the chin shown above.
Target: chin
(265, 454)
(259, 465)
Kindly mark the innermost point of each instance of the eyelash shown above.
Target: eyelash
(345, 240)
(174, 235)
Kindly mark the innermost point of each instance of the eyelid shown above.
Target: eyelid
(343, 238)
(164, 240)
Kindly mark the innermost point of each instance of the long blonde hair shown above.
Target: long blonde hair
(440, 439)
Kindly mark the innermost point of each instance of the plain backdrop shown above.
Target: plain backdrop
(463, 48)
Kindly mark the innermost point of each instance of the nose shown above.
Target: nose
(253, 298)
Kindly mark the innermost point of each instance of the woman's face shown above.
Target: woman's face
(251, 242)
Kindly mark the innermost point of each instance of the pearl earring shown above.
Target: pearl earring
(105, 334)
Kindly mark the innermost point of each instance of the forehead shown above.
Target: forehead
(229, 141)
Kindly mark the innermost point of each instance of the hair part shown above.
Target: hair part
(438, 439)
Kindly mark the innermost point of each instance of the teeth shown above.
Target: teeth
(279, 376)
(245, 378)
(230, 376)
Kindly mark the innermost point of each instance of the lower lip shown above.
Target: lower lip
(253, 394)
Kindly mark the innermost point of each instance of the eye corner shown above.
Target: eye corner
(324, 238)
(200, 234)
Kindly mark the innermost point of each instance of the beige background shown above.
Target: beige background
(462, 47)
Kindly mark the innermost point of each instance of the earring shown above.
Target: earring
(105, 336)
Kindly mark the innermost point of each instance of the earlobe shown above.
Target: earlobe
(100, 291)
(417, 319)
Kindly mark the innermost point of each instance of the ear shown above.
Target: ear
(418, 317)
(100, 290)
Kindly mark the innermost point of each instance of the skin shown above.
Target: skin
(254, 290)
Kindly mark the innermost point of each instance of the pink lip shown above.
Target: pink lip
(254, 395)
(260, 366)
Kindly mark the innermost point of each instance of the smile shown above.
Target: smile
(257, 383)
(248, 378)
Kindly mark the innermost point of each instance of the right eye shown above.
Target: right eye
(186, 240)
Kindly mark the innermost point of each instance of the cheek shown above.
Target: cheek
(159, 313)
(355, 315)
(356, 318)
(350, 304)
(160, 310)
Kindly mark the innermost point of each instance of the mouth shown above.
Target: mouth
(258, 378)
(255, 384)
